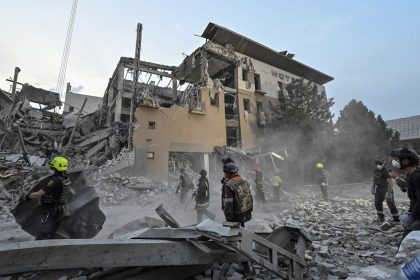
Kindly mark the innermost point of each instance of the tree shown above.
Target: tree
(300, 103)
(303, 114)
(361, 139)
(302, 122)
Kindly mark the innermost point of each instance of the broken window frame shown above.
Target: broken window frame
(260, 110)
(244, 74)
(247, 105)
(257, 81)
(152, 125)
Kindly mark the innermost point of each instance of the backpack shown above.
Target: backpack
(243, 201)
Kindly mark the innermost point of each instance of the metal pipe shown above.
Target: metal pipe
(75, 125)
(15, 78)
(135, 80)
(22, 144)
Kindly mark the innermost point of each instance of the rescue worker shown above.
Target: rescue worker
(185, 184)
(322, 179)
(408, 161)
(225, 161)
(237, 202)
(382, 190)
(53, 198)
(276, 184)
(259, 187)
(202, 197)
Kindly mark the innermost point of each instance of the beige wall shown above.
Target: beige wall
(248, 126)
(177, 129)
(269, 82)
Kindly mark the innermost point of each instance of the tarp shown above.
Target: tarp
(85, 219)
(41, 96)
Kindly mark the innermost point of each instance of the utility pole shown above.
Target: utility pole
(136, 67)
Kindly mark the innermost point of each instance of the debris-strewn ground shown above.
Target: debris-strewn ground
(346, 239)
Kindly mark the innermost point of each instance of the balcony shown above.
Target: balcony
(195, 105)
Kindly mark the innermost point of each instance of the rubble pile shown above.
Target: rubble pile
(123, 159)
(114, 189)
(346, 238)
(31, 125)
(15, 179)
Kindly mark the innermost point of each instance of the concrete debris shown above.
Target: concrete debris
(345, 237)
(410, 246)
(27, 117)
(114, 189)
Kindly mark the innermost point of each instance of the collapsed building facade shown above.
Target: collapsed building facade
(215, 100)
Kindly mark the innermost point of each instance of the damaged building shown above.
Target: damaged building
(216, 98)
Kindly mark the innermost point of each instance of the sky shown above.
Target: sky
(370, 47)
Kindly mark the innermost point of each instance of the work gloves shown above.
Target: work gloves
(373, 190)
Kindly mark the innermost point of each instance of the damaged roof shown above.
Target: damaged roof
(221, 35)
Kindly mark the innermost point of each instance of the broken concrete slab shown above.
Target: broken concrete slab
(325, 267)
(85, 253)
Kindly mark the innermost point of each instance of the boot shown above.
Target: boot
(381, 219)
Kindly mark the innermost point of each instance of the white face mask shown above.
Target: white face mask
(396, 164)
(379, 167)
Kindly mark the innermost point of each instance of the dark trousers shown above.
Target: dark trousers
(183, 195)
(49, 223)
(379, 199)
(201, 212)
(276, 192)
(259, 196)
(324, 190)
(415, 225)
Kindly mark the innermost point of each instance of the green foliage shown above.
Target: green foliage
(301, 106)
(303, 115)
(361, 138)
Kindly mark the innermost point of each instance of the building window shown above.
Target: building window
(150, 155)
(152, 125)
(214, 98)
(260, 114)
(247, 107)
(257, 80)
(244, 75)
(71, 109)
(233, 138)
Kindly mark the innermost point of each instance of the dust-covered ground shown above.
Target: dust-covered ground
(345, 236)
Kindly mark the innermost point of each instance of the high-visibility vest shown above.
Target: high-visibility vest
(276, 181)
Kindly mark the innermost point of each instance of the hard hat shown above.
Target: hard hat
(404, 153)
(230, 168)
(59, 164)
(379, 161)
(203, 172)
(226, 160)
(319, 166)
